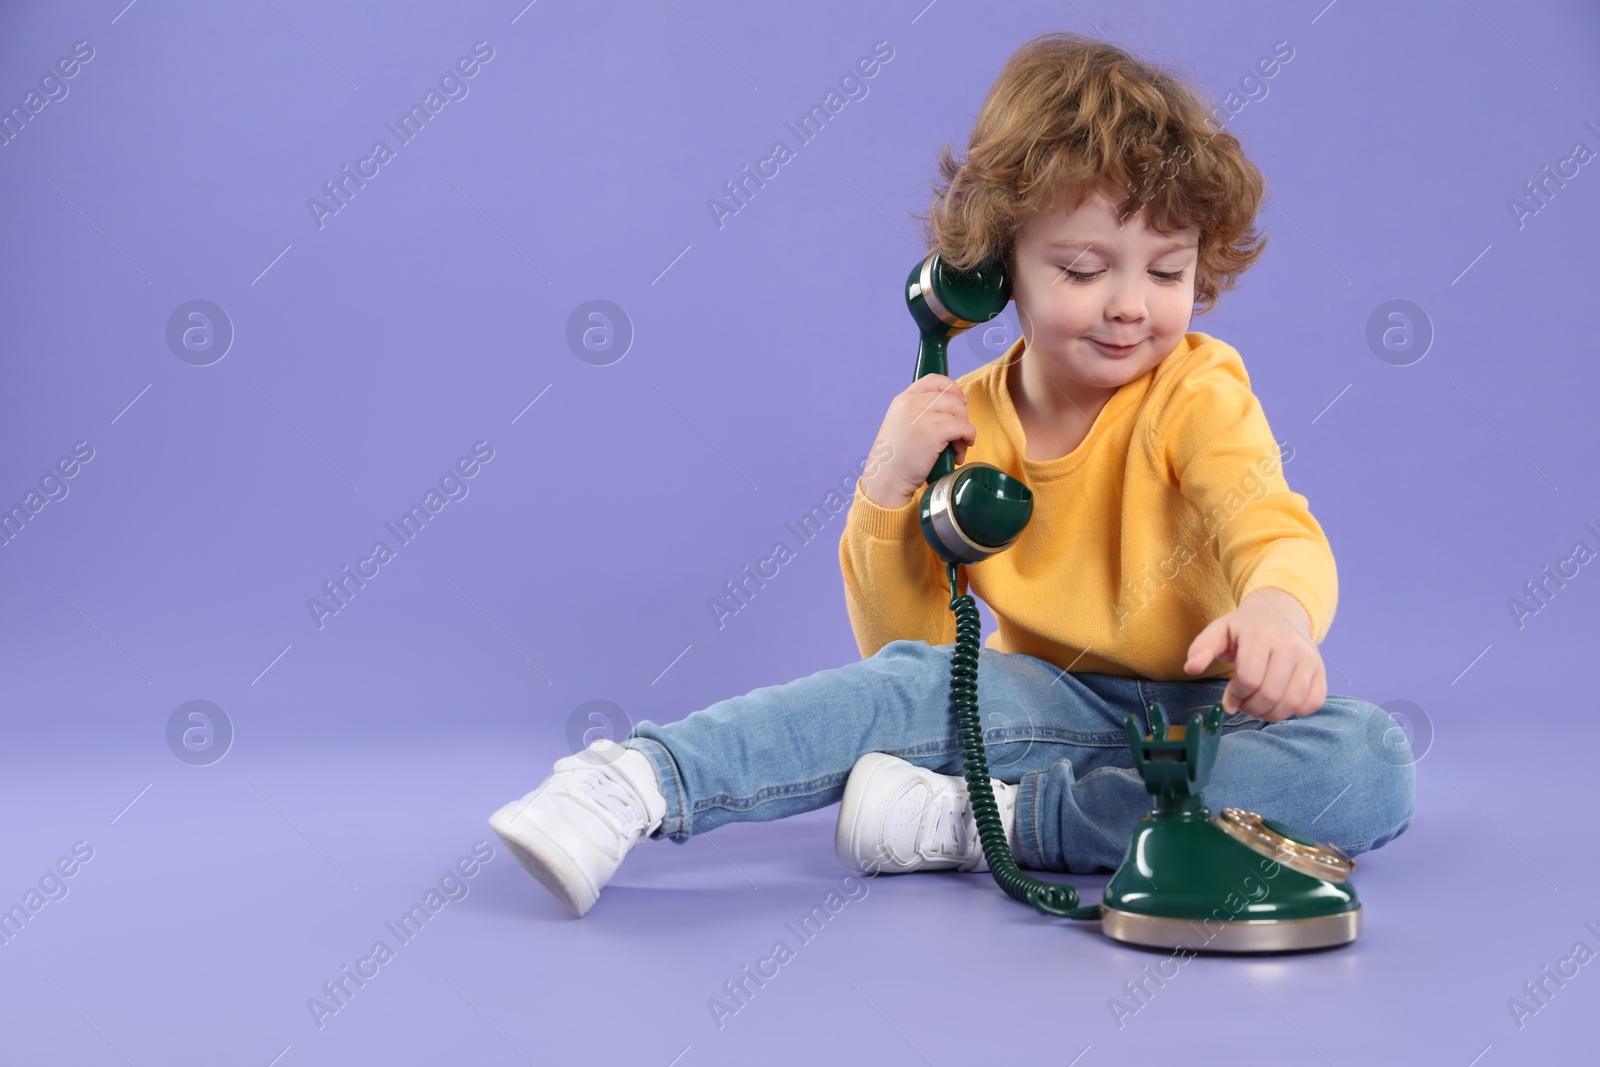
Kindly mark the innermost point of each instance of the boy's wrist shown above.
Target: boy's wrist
(878, 495)
(1284, 604)
(884, 523)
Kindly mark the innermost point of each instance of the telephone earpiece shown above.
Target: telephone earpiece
(974, 511)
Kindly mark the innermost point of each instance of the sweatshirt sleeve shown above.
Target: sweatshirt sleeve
(895, 586)
(1219, 449)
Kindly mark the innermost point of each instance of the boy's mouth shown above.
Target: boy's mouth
(1116, 350)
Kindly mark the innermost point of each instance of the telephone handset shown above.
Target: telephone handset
(969, 514)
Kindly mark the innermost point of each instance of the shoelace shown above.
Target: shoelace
(953, 832)
(603, 792)
(945, 837)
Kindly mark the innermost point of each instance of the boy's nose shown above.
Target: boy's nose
(1126, 302)
(1126, 309)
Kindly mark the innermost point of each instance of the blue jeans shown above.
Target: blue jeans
(1343, 774)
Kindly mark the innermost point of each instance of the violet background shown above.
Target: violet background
(432, 310)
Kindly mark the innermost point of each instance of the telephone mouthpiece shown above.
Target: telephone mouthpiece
(974, 512)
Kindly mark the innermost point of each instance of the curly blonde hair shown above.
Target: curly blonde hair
(1068, 113)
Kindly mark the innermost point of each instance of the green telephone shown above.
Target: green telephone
(1231, 882)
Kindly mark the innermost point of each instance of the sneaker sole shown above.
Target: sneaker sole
(544, 859)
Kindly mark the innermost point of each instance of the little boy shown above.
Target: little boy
(1166, 560)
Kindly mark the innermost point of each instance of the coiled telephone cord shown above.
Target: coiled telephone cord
(1049, 898)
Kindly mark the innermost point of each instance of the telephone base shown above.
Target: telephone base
(1234, 935)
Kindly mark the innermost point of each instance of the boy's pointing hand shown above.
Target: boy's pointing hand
(1278, 672)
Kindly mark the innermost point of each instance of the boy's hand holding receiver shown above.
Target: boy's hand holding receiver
(928, 414)
(1278, 672)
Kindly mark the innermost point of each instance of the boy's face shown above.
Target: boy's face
(1081, 281)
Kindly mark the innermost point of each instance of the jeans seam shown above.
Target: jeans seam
(761, 796)
(1109, 739)
(1390, 836)
(1033, 821)
(678, 791)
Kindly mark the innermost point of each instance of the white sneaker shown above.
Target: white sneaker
(572, 832)
(900, 818)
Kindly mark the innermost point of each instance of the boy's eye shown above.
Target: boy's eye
(1085, 276)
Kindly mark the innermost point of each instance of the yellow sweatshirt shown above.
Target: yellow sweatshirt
(1169, 512)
